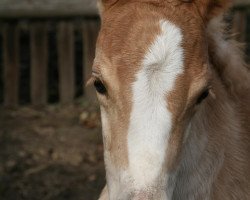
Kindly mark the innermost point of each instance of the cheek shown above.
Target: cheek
(115, 137)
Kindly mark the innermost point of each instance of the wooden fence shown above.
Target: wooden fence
(53, 44)
(47, 8)
(39, 48)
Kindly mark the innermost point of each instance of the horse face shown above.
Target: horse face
(151, 73)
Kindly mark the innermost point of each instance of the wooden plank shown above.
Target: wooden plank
(11, 64)
(47, 8)
(90, 32)
(239, 26)
(57, 8)
(39, 63)
(65, 45)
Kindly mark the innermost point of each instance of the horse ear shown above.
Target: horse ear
(105, 4)
(212, 8)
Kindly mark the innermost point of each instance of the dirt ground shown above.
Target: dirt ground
(54, 153)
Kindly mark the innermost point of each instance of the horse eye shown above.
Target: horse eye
(203, 96)
(100, 88)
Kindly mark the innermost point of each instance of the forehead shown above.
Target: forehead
(124, 39)
(128, 32)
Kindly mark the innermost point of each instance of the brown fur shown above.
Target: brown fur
(122, 43)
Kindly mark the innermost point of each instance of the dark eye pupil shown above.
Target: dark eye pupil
(100, 88)
(203, 96)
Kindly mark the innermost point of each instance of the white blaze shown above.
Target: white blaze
(150, 120)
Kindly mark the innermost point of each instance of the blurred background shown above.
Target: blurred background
(50, 133)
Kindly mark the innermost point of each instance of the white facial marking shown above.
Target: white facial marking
(150, 120)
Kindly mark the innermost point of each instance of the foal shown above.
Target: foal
(174, 97)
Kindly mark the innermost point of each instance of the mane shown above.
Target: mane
(227, 57)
